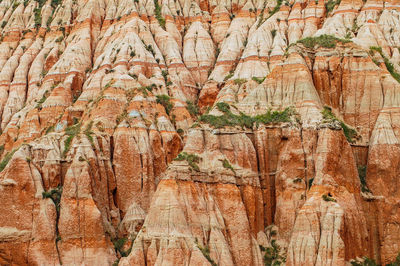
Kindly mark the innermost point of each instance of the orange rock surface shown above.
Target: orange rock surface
(155, 132)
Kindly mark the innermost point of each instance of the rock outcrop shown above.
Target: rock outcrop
(154, 132)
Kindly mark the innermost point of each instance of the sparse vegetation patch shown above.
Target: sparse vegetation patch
(388, 64)
(206, 253)
(6, 159)
(157, 12)
(191, 159)
(327, 41)
(243, 120)
(165, 101)
(328, 116)
(71, 131)
(328, 197)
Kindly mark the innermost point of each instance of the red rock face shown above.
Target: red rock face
(199, 132)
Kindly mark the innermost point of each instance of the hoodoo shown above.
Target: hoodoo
(199, 132)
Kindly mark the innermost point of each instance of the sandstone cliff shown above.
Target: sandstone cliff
(160, 132)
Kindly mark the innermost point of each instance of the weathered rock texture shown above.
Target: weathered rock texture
(98, 98)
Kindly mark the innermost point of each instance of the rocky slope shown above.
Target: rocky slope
(158, 132)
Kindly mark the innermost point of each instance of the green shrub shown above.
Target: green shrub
(59, 39)
(276, 8)
(191, 159)
(258, 80)
(119, 246)
(88, 132)
(243, 120)
(206, 253)
(275, 116)
(388, 64)
(55, 195)
(192, 108)
(165, 101)
(121, 117)
(6, 159)
(71, 131)
(164, 73)
(150, 49)
(38, 17)
(310, 182)
(49, 129)
(297, 180)
(327, 41)
(42, 100)
(330, 5)
(328, 116)
(273, 33)
(362, 173)
(273, 255)
(228, 76)
(239, 81)
(157, 12)
(260, 19)
(134, 76)
(227, 165)
(55, 3)
(327, 197)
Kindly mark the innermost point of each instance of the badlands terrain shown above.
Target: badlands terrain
(203, 132)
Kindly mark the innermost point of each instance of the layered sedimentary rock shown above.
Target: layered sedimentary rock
(199, 132)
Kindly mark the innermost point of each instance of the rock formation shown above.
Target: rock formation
(156, 132)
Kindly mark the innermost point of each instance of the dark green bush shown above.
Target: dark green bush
(310, 182)
(326, 197)
(273, 255)
(258, 80)
(206, 253)
(192, 108)
(42, 100)
(38, 17)
(362, 173)
(164, 73)
(191, 159)
(119, 246)
(55, 195)
(276, 8)
(239, 81)
(388, 64)
(228, 76)
(328, 116)
(165, 101)
(88, 132)
(243, 120)
(330, 5)
(226, 164)
(327, 41)
(71, 131)
(157, 12)
(6, 159)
